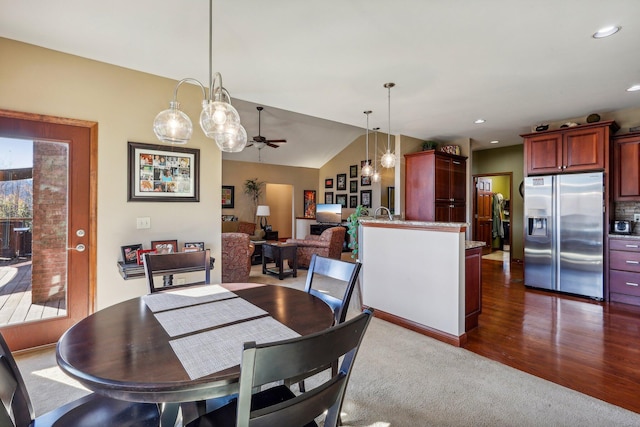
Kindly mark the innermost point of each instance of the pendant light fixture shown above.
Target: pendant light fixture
(376, 175)
(388, 159)
(219, 120)
(367, 170)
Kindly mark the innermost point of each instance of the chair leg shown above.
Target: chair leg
(301, 387)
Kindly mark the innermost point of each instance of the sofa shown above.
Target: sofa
(249, 228)
(328, 244)
(237, 249)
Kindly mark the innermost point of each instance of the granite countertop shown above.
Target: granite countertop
(625, 236)
(371, 220)
(472, 244)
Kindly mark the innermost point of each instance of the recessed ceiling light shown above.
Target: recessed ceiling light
(495, 141)
(634, 88)
(479, 121)
(606, 32)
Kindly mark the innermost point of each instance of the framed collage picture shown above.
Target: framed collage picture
(328, 197)
(328, 183)
(365, 198)
(353, 171)
(341, 181)
(341, 199)
(353, 202)
(353, 186)
(228, 196)
(157, 173)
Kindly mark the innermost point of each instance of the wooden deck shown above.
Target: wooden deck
(15, 296)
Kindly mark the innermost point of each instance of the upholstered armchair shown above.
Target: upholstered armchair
(236, 257)
(328, 244)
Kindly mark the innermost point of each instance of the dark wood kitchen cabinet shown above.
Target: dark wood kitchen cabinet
(435, 187)
(626, 167)
(572, 149)
(473, 287)
(624, 270)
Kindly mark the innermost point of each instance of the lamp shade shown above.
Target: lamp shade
(263, 210)
(173, 125)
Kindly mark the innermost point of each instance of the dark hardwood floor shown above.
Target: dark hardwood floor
(588, 346)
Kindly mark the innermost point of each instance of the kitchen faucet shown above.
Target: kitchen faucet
(375, 214)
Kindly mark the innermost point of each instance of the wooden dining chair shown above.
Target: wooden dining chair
(264, 364)
(346, 272)
(166, 265)
(91, 410)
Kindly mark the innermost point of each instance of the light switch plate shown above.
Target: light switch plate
(143, 222)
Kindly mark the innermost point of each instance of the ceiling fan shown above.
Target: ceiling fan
(260, 141)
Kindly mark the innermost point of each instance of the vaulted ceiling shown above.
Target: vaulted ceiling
(316, 66)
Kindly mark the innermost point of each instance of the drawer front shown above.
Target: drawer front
(624, 282)
(628, 261)
(632, 245)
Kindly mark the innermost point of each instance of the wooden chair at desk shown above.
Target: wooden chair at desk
(269, 363)
(167, 265)
(88, 411)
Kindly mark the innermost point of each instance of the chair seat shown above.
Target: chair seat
(96, 411)
(226, 415)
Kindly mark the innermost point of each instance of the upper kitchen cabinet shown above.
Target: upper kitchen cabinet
(626, 167)
(435, 187)
(572, 149)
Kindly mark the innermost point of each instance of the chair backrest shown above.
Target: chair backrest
(175, 263)
(15, 406)
(266, 363)
(236, 257)
(335, 235)
(347, 272)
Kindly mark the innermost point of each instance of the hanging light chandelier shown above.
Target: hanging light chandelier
(376, 175)
(367, 170)
(219, 120)
(388, 159)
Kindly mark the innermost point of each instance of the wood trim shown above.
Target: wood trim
(421, 329)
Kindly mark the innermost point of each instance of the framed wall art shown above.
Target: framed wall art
(328, 183)
(365, 198)
(228, 196)
(309, 203)
(341, 181)
(159, 173)
(193, 247)
(353, 171)
(365, 180)
(353, 186)
(341, 199)
(328, 197)
(353, 202)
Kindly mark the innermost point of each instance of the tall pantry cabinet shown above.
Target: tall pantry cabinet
(435, 187)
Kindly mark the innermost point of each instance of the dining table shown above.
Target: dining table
(183, 345)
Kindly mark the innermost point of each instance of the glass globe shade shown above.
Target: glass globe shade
(376, 176)
(233, 140)
(388, 160)
(367, 170)
(216, 117)
(173, 126)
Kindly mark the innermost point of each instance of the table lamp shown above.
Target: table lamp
(263, 212)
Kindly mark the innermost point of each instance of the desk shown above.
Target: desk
(123, 351)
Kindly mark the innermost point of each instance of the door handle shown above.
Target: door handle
(79, 247)
(632, 262)
(631, 284)
(630, 246)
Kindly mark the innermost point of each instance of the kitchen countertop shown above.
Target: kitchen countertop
(472, 244)
(625, 236)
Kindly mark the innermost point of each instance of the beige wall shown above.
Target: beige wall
(124, 103)
(279, 198)
(235, 173)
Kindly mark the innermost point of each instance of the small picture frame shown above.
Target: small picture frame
(141, 252)
(228, 196)
(341, 181)
(341, 199)
(309, 203)
(328, 183)
(193, 247)
(353, 171)
(365, 198)
(353, 202)
(365, 180)
(129, 253)
(164, 246)
(328, 197)
(353, 186)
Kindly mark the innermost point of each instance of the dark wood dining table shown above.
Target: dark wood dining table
(123, 351)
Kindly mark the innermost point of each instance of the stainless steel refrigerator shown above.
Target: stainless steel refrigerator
(564, 233)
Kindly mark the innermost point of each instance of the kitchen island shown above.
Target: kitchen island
(414, 275)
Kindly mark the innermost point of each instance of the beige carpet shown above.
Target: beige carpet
(402, 378)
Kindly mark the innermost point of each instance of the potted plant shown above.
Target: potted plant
(254, 188)
(353, 222)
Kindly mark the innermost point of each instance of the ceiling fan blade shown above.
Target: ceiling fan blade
(272, 145)
(249, 145)
(276, 140)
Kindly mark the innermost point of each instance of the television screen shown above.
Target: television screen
(329, 213)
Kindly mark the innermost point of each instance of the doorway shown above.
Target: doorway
(492, 214)
(279, 198)
(48, 224)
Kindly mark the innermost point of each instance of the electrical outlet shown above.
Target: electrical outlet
(636, 217)
(143, 222)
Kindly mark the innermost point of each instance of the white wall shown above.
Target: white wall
(124, 103)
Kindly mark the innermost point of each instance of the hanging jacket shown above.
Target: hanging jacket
(497, 229)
